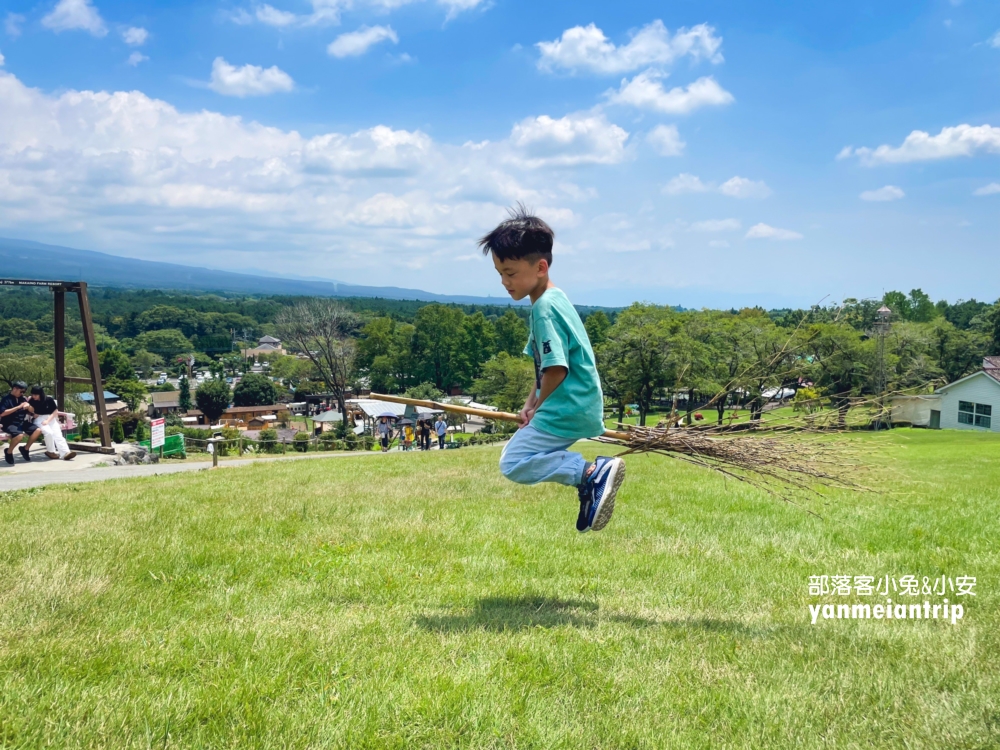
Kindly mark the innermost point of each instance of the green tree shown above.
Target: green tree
(212, 398)
(132, 392)
(916, 307)
(640, 340)
(115, 364)
(438, 345)
(506, 382)
(424, 391)
(146, 363)
(382, 375)
(376, 339)
(922, 310)
(254, 389)
(512, 334)
(140, 430)
(842, 363)
(480, 341)
(167, 342)
(184, 394)
(597, 325)
(33, 369)
(117, 431)
(898, 302)
(958, 353)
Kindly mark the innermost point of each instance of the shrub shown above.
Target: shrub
(301, 441)
(117, 432)
(140, 431)
(268, 440)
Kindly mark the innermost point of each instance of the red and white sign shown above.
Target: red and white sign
(156, 433)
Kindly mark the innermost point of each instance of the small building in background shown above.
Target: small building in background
(972, 402)
(112, 403)
(265, 345)
(163, 403)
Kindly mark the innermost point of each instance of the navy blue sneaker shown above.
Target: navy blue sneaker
(586, 491)
(607, 477)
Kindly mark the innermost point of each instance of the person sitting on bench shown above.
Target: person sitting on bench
(47, 420)
(17, 420)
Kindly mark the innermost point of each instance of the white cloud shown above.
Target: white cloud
(585, 48)
(645, 91)
(717, 225)
(271, 16)
(718, 243)
(734, 187)
(992, 189)
(358, 42)
(456, 7)
(579, 138)
(959, 140)
(2, 60)
(328, 12)
(883, 194)
(741, 187)
(239, 16)
(324, 13)
(75, 14)
(128, 168)
(135, 36)
(135, 58)
(666, 140)
(767, 232)
(249, 80)
(685, 183)
(12, 24)
(995, 41)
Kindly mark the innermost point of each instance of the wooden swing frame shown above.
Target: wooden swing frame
(59, 290)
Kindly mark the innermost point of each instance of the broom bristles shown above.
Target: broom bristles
(779, 456)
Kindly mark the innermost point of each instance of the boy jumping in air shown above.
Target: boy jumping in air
(566, 403)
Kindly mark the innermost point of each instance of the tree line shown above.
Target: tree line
(647, 354)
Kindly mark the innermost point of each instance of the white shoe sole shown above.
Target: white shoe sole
(616, 475)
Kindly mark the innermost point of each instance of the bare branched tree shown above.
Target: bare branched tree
(321, 330)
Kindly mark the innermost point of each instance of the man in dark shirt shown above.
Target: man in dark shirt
(17, 420)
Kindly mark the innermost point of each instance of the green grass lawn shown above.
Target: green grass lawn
(421, 601)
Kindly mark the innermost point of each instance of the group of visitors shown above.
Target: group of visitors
(421, 433)
(27, 419)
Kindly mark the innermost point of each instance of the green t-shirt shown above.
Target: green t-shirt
(556, 336)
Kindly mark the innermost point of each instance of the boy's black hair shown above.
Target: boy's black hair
(522, 236)
(38, 391)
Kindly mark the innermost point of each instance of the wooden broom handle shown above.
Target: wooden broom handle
(485, 413)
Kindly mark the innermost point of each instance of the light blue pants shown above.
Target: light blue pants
(533, 456)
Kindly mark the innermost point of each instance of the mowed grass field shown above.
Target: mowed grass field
(421, 601)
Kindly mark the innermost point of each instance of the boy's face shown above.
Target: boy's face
(519, 277)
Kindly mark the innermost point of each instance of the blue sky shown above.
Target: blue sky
(702, 153)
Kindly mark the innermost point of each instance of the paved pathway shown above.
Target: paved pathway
(29, 477)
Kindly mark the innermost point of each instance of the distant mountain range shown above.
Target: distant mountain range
(33, 260)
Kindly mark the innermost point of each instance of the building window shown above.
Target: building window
(978, 415)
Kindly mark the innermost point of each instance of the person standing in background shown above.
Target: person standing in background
(441, 427)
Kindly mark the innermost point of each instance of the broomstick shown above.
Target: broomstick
(777, 461)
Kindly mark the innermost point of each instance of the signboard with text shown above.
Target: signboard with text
(156, 433)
